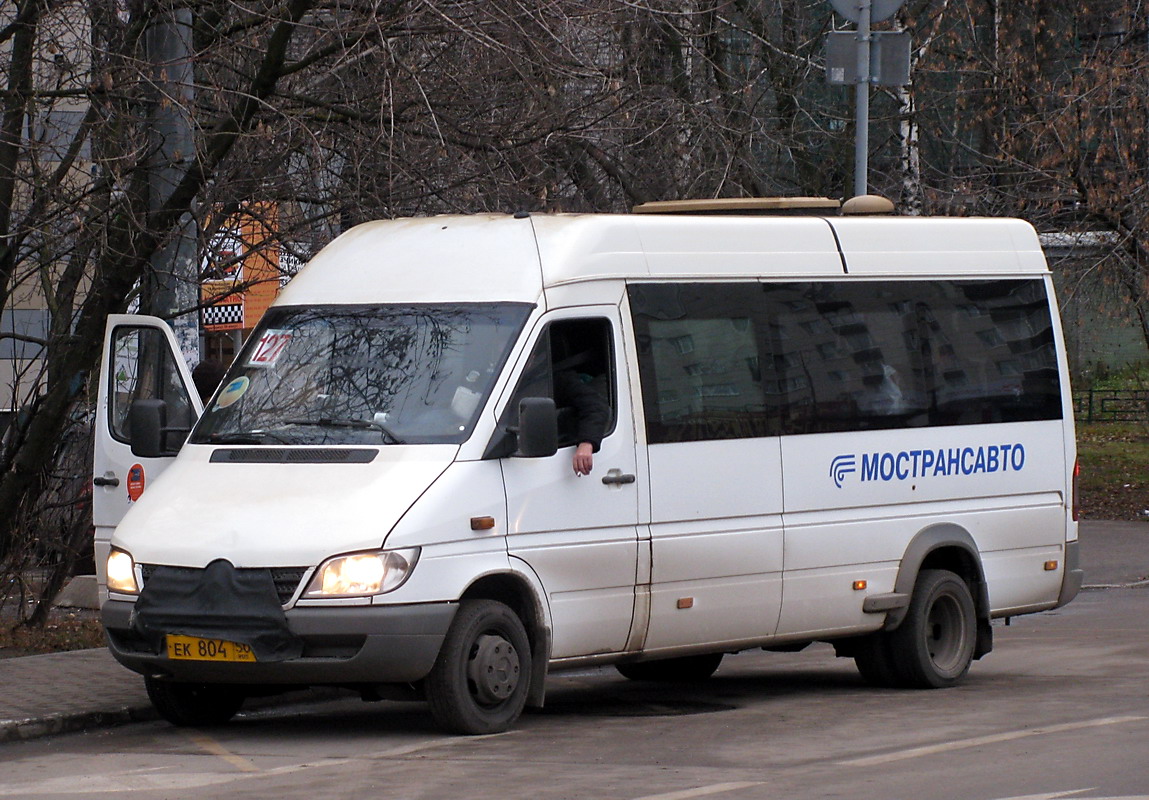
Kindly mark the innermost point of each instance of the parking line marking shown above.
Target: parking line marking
(979, 741)
(701, 791)
(216, 749)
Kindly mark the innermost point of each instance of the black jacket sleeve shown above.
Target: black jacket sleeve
(592, 412)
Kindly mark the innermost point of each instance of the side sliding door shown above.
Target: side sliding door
(714, 463)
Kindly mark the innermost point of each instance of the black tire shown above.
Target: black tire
(875, 662)
(480, 679)
(933, 647)
(687, 669)
(192, 705)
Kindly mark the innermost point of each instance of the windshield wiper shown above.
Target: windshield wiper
(331, 422)
(244, 437)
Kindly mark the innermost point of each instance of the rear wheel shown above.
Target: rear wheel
(480, 679)
(191, 705)
(933, 647)
(685, 669)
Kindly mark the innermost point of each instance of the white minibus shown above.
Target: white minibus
(796, 425)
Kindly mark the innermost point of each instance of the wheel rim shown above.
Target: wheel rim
(946, 634)
(493, 669)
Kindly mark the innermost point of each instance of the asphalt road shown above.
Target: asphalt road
(1059, 709)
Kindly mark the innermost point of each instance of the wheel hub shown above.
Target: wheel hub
(945, 633)
(493, 669)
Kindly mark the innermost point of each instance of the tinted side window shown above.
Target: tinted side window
(835, 356)
(914, 353)
(700, 352)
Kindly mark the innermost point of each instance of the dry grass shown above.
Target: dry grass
(67, 629)
(1114, 461)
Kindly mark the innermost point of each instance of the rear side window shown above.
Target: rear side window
(734, 360)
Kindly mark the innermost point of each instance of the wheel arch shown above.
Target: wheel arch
(515, 591)
(950, 547)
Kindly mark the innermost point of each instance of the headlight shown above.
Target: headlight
(122, 573)
(361, 574)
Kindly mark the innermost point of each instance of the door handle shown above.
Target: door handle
(616, 477)
(107, 479)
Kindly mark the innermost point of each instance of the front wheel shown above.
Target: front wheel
(480, 680)
(934, 645)
(191, 705)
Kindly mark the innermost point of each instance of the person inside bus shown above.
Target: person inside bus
(579, 358)
(570, 365)
(589, 415)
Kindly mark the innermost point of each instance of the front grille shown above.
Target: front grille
(286, 579)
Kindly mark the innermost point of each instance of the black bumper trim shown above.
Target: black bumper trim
(399, 645)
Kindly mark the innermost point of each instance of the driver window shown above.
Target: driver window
(572, 364)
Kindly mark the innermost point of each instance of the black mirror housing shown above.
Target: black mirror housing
(147, 423)
(538, 428)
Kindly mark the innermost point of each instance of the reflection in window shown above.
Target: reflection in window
(144, 368)
(364, 375)
(714, 391)
(861, 356)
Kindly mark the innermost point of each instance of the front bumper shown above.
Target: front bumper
(341, 645)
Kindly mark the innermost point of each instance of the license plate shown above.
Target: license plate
(193, 648)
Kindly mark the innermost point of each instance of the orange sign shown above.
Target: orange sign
(135, 482)
(240, 270)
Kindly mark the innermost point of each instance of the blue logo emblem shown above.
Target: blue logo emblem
(842, 466)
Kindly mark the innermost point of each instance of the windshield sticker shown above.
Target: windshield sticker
(927, 463)
(232, 392)
(269, 348)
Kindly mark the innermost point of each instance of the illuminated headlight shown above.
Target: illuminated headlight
(361, 574)
(122, 573)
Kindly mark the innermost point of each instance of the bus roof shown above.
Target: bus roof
(482, 258)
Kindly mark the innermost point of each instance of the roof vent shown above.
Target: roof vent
(743, 205)
(867, 205)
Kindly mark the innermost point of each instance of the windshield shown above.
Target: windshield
(363, 375)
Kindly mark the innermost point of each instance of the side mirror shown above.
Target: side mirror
(538, 428)
(148, 428)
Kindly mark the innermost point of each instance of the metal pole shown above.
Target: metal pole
(862, 92)
(176, 268)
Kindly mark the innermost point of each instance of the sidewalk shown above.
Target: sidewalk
(61, 692)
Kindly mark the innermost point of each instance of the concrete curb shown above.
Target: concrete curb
(26, 729)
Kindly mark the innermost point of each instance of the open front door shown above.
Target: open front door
(141, 361)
